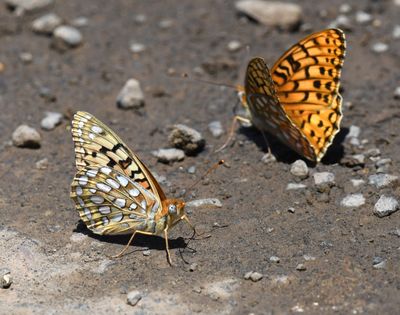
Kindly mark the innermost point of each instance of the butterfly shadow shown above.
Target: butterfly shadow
(144, 241)
(284, 154)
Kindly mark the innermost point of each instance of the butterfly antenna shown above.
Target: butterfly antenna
(212, 168)
(231, 86)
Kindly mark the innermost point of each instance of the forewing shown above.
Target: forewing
(267, 112)
(307, 79)
(109, 202)
(97, 145)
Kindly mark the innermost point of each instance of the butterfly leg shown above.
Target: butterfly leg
(232, 130)
(167, 245)
(130, 241)
(190, 224)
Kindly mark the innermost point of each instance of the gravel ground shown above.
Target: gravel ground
(287, 239)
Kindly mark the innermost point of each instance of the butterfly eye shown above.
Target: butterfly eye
(172, 209)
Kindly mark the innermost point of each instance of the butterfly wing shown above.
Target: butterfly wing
(307, 79)
(109, 202)
(266, 110)
(97, 145)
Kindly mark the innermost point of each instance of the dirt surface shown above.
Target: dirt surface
(59, 267)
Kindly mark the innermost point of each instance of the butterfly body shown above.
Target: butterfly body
(113, 190)
(298, 100)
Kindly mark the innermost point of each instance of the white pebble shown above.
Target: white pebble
(385, 206)
(137, 47)
(299, 168)
(169, 155)
(133, 297)
(216, 129)
(357, 182)
(341, 21)
(363, 17)
(42, 164)
(396, 93)
(26, 57)
(29, 5)
(51, 120)
(324, 178)
(379, 47)
(80, 21)
(353, 201)
(382, 180)
(234, 45)
(46, 24)
(396, 32)
(25, 136)
(131, 95)
(253, 276)
(67, 35)
(164, 24)
(354, 132)
(214, 202)
(295, 186)
(345, 8)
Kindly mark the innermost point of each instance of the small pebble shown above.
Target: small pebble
(169, 155)
(193, 267)
(283, 15)
(5, 278)
(291, 210)
(299, 168)
(146, 252)
(214, 202)
(374, 152)
(253, 276)
(396, 93)
(131, 95)
(27, 137)
(301, 267)
(353, 201)
(29, 5)
(46, 24)
(26, 57)
(192, 169)
(46, 94)
(216, 129)
(383, 165)
(343, 22)
(357, 182)
(188, 139)
(295, 186)
(396, 32)
(137, 48)
(133, 297)
(385, 206)
(382, 180)
(165, 24)
(274, 259)
(363, 17)
(354, 132)
(140, 18)
(78, 237)
(66, 37)
(268, 158)
(42, 164)
(378, 263)
(80, 21)
(379, 47)
(234, 45)
(324, 178)
(51, 120)
(345, 8)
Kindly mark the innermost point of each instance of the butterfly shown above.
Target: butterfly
(114, 192)
(298, 100)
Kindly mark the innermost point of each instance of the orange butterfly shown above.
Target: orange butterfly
(298, 101)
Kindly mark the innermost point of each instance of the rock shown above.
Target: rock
(131, 95)
(396, 93)
(301, 267)
(396, 32)
(25, 57)
(383, 165)
(214, 202)
(46, 94)
(166, 23)
(169, 155)
(216, 129)
(382, 180)
(42, 164)
(46, 24)
(188, 139)
(354, 132)
(353, 201)
(80, 21)
(294, 186)
(357, 182)
(253, 276)
(146, 252)
(274, 259)
(378, 262)
(345, 8)
(193, 267)
(291, 210)
(133, 297)
(65, 37)
(385, 206)
(140, 19)
(137, 48)
(28, 5)
(78, 237)
(286, 16)
(299, 168)
(353, 160)
(51, 120)
(5, 278)
(379, 47)
(324, 178)
(192, 169)
(27, 137)
(374, 152)
(341, 21)
(234, 45)
(268, 158)
(363, 17)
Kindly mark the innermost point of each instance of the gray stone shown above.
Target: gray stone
(396, 93)
(341, 21)
(67, 36)
(353, 201)
(295, 186)
(216, 129)
(137, 47)
(25, 136)
(383, 165)
(140, 19)
(357, 182)
(146, 252)
(80, 21)
(214, 202)
(169, 155)
(382, 180)
(274, 259)
(29, 5)
(234, 45)
(378, 263)
(301, 267)
(324, 178)
(396, 32)
(268, 158)
(354, 132)
(286, 16)
(5, 278)
(253, 276)
(166, 23)
(42, 164)
(363, 17)
(51, 120)
(345, 8)
(131, 95)
(379, 47)
(188, 139)
(385, 206)
(299, 168)
(192, 169)
(193, 267)
(133, 297)
(26, 57)
(46, 24)
(374, 152)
